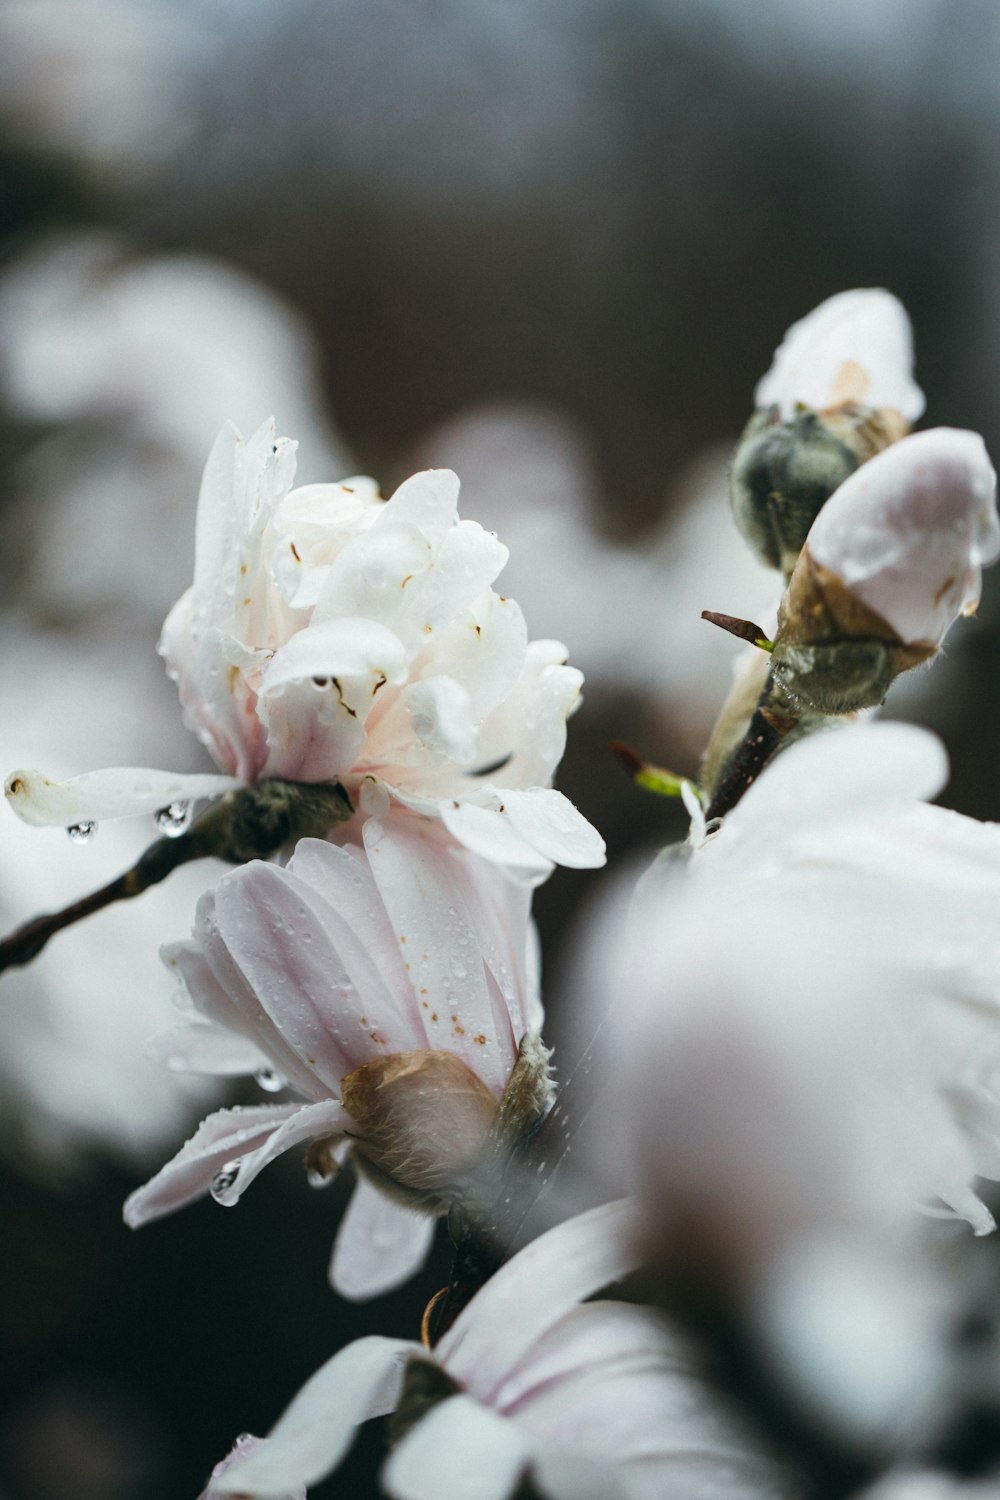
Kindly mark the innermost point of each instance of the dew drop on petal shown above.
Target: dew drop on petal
(270, 1081)
(225, 1177)
(173, 819)
(81, 833)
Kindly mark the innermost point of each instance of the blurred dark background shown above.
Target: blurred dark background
(550, 243)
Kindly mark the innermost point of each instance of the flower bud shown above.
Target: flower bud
(890, 563)
(839, 391)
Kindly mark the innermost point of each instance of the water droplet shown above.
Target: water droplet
(320, 682)
(270, 1081)
(173, 819)
(225, 1177)
(81, 833)
(317, 1179)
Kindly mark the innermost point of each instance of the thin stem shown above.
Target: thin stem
(770, 722)
(155, 865)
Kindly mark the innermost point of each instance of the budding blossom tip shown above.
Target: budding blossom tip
(857, 346)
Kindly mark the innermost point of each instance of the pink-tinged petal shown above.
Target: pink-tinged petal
(459, 1451)
(243, 1009)
(379, 1245)
(118, 792)
(428, 500)
(549, 823)
(613, 1388)
(422, 889)
(242, 1448)
(856, 346)
(489, 833)
(909, 531)
(359, 930)
(441, 717)
(290, 946)
(362, 1381)
(317, 691)
(220, 1138)
(533, 1291)
(311, 1121)
(201, 1047)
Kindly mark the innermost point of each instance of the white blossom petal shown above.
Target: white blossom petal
(311, 1121)
(489, 833)
(244, 1446)
(201, 1047)
(459, 1451)
(855, 346)
(441, 716)
(222, 1136)
(549, 823)
(379, 1245)
(533, 1291)
(362, 1381)
(118, 792)
(423, 895)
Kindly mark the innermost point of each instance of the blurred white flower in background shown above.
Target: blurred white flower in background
(74, 1074)
(128, 366)
(812, 1023)
(587, 1398)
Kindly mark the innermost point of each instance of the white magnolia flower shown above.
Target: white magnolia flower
(813, 1017)
(909, 532)
(833, 952)
(390, 985)
(333, 637)
(855, 346)
(590, 1400)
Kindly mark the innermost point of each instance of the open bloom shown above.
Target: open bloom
(585, 1399)
(331, 636)
(390, 985)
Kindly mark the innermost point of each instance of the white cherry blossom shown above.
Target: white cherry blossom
(404, 956)
(589, 1399)
(331, 636)
(855, 346)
